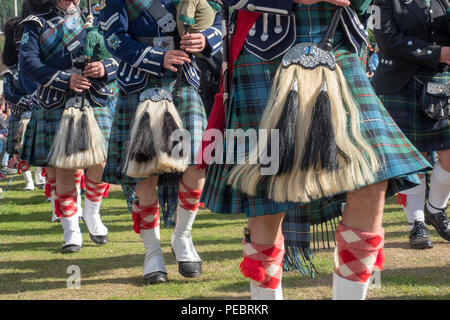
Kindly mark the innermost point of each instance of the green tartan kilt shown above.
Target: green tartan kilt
(252, 79)
(43, 127)
(12, 129)
(191, 111)
(405, 108)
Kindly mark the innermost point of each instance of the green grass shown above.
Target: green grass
(31, 266)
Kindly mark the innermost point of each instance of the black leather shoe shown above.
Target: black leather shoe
(189, 269)
(155, 277)
(418, 236)
(439, 221)
(101, 240)
(70, 248)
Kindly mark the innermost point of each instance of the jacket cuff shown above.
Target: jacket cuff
(213, 37)
(283, 7)
(60, 80)
(111, 66)
(151, 61)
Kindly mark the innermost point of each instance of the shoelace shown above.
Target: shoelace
(420, 230)
(443, 219)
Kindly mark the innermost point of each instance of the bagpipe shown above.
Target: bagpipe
(321, 151)
(157, 124)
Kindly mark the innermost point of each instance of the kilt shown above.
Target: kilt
(405, 108)
(12, 129)
(43, 127)
(250, 89)
(191, 111)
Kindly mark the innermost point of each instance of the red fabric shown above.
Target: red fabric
(96, 191)
(263, 263)
(83, 182)
(145, 217)
(244, 23)
(22, 166)
(43, 172)
(189, 199)
(49, 187)
(401, 199)
(66, 204)
(358, 253)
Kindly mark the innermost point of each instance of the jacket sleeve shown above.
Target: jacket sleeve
(283, 7)
(114, 23)
(9, 93)
(111, 65)
(397, 45)
(32, 65)
(213, 37)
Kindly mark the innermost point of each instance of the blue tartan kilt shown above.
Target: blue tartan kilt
(191, 111)
(43, 127)
(12, 129)
(426, 134)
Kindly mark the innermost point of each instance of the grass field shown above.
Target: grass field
(31, 266)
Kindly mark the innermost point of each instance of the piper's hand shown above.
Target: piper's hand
(175, 57)
(341, 3)
(94, 69)
(79, 83)
(445, 55)
(193, 42)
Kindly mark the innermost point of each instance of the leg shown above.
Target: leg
(189, 192)
(66, 209)
(39, 179)
(263, 257)
(26, 173)
(79, 176)
(439, 195)
(95, 191)
(146, 222)
(359, 242)
(50, 189)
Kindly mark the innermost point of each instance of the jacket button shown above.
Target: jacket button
(251, 7)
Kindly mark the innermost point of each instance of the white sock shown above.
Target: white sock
(40, 180)
(439, 189)
(415, 200)
(29, 184)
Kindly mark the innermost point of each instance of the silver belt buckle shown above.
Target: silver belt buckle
(75, 102)
(156, 95)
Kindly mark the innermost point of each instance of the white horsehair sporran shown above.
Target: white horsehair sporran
(321, 149)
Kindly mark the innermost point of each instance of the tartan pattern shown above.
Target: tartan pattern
(136, 7)
(358, 253)
(263, 263)
(405, 108)
(191, 111)
(54, 39)
(12, 129)
(250, 89)
(43, 127)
